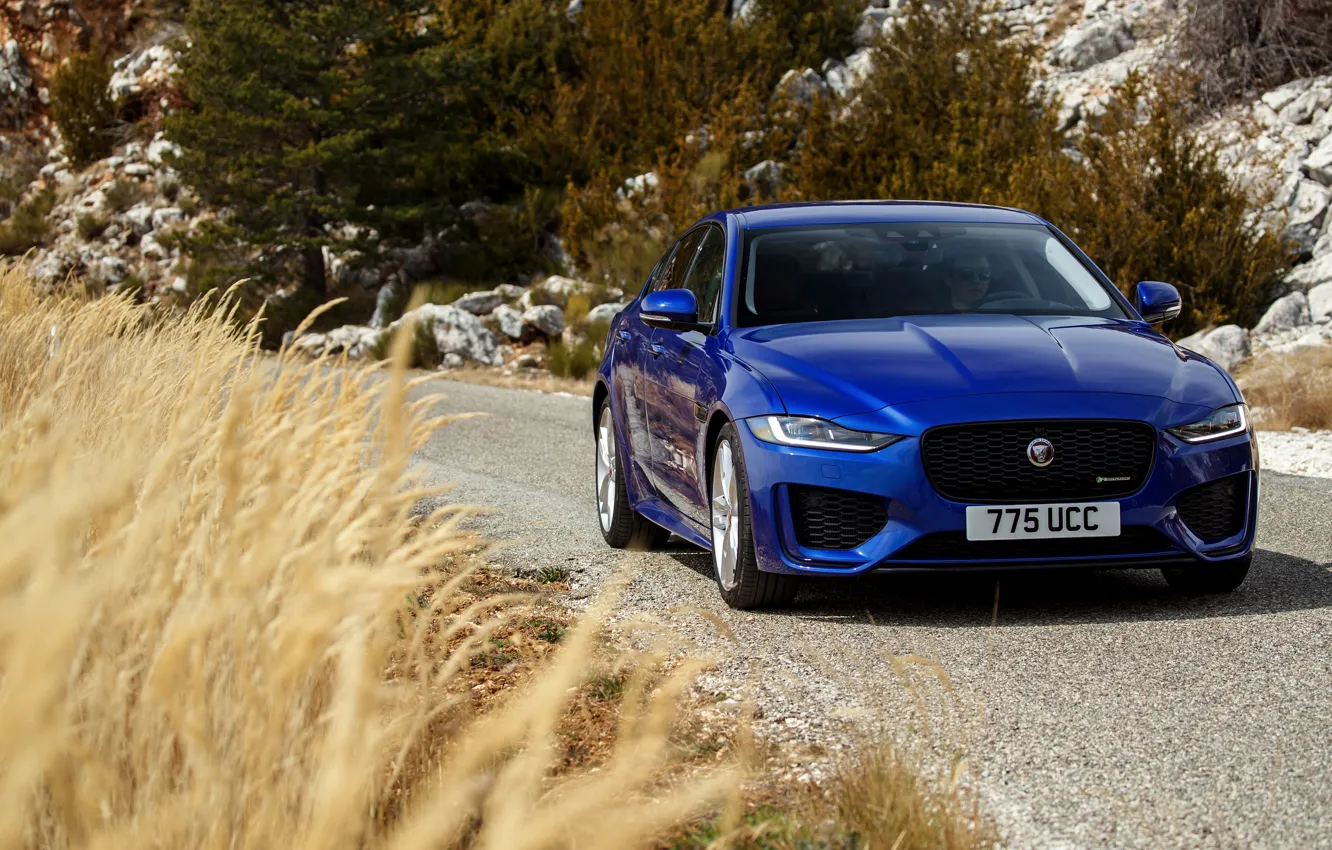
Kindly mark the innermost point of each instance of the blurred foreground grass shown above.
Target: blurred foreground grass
(224, 623)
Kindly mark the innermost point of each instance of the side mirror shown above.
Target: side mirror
(670, 308)
(1156, 302)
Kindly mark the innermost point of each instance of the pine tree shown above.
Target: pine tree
(310, 114)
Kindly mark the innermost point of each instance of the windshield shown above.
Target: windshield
(828, 273)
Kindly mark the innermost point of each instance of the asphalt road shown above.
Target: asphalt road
(1098, 709)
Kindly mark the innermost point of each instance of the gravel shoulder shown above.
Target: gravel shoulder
(1096, 709)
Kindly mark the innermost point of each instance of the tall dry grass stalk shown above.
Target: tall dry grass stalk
(215, 629)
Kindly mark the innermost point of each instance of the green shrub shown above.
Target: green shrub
(90, 226)
(122, 194)
(574, 361)
(947, 114)
(82, 107)
(28, 227)
(800, 34)
(1153, 201)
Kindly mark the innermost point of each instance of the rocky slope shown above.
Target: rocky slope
(118, 221)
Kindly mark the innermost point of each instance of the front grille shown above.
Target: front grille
(987, 461)
(1133, 541)
(835, 519)
(1215, 511)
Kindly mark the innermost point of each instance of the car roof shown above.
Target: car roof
(871, 212)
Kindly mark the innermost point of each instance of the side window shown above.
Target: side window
(672, 275)
(655, 274)
(705, 278)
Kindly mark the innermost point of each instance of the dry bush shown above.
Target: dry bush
(1239, 47)
(222, 626)
(1292, 390)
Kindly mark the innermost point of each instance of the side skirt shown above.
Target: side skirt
(657, 511)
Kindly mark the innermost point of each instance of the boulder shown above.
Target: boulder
(160, 150)
(15, 86)
(603, 313)
(1096, 41)
(1310, 204)
(53, 266)
(1309, 275)
(508, 320)
(764, 178)
(1226, 345)
(801, 86)
(457, 332)
(1320, 303)
(111, 269)
(1287, 312)
(166, 217)
(479, 303)
(546, 319)
(1319, 163)
(509, 292)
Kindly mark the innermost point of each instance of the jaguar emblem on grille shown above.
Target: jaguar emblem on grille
(1040, 452)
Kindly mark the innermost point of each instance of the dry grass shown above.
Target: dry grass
(1290, 390)
(875, 800)
(222, 625)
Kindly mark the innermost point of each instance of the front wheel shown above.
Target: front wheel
(621, 525)
(1209, 578)
(742, 584)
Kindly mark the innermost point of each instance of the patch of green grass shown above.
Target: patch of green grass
(552, 575)
(548, 630)
(606, 687)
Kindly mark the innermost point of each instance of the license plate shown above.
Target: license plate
(1039, 522)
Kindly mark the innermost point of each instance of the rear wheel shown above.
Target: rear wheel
(621, 525)
(742, 584)
(1209, 578)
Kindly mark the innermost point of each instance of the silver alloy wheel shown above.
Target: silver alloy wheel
(725, 516)
(606, 469)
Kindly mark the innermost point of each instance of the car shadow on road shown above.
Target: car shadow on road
(1276, 583)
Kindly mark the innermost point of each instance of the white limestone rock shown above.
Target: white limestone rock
(457, 332)
(603, 313)
(1225, 346)
(546, 319)
(479, 303)
(1286, 313)
(1320, 302)
(509, 321)
(15, 86)
(1096, 41)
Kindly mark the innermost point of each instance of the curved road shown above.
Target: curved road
(1101, 709)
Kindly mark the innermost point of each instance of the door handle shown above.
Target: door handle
(657, 350)
(624, 336)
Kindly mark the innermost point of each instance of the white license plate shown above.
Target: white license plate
(1038, 522)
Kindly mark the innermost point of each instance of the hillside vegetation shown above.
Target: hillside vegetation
(466, 143)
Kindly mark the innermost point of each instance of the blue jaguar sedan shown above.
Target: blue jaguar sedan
(832, 389)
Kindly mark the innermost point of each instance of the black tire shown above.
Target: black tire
(628, 529)
(753, 588)
(1209, 578)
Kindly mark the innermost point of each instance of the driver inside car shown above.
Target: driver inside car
(968, 281)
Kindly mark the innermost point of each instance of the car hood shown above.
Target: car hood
(835, 369)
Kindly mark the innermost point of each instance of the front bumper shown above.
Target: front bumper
(897, 475)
